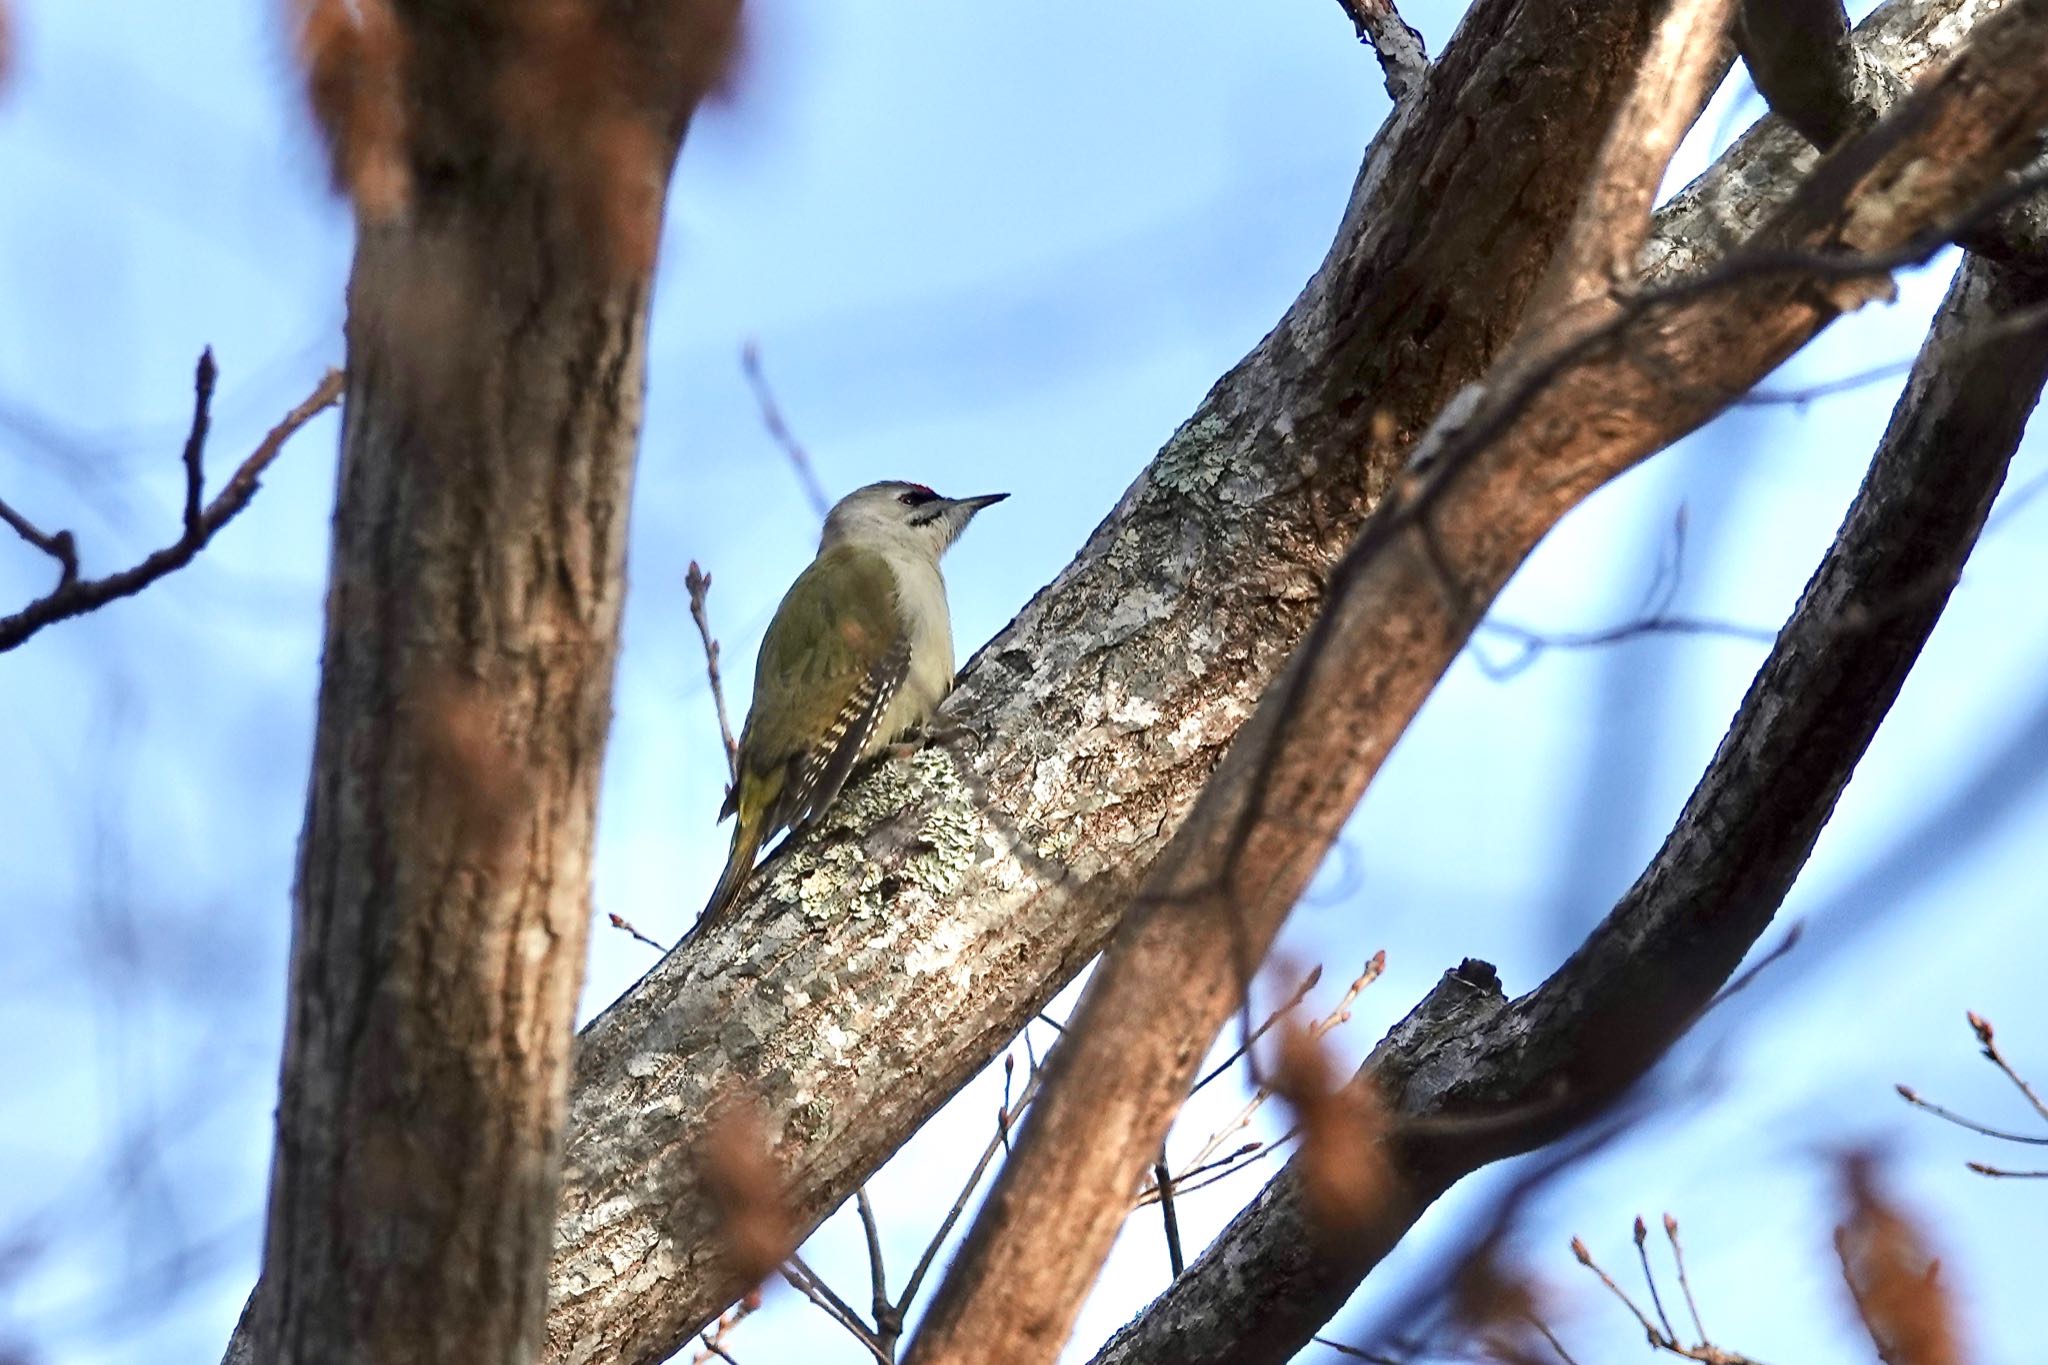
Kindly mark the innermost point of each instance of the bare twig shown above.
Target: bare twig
(1403, 58)
(74, 596)
(1642, 1235)
(698, 584)
(771, 417)
(1660, 1338)
(1543, 1327)
(1684, 1284)
(195, 440)
(1982, 1028)
(1353, 1353)
(2000, 1173)
(888, 1322)
(1308, 983)
(813, 1287)
(626, 926)
(1339, 1014)
(1914, 1098)
(1585, 1258)
(1162, 1184)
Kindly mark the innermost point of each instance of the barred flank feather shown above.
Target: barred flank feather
(796, 792)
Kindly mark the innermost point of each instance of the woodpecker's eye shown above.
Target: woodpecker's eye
(917, 495)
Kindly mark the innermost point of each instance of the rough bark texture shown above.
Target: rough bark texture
(1560, 1053)
(495, 333)
(890, 954)
(884, 960)
(1217, 897)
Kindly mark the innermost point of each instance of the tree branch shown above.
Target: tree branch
(925, 920)
(1403, 59)
(1640, 980)
(74, 596)
(934, 912)
(1183, 960)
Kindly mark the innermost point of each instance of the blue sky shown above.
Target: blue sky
(983, 247)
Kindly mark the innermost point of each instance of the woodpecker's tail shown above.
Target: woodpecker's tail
(739, 865)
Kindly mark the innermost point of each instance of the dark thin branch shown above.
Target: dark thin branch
(771, 417)
(1800, 57)
(59, 546)
(1642, 1236)
(195, 440)
(888, 1322)
(1644, 976)
(1162, 1182)
(1403, 58)
(74, 596)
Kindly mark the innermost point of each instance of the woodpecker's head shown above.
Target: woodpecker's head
(900, 515)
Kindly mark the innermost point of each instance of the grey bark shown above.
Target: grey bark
(885, 958)
(1456, 1074)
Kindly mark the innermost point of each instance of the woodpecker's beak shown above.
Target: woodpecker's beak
(958, 512)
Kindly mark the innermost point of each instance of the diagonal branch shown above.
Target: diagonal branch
(74, 596)
(1642, 978)
(915, 923)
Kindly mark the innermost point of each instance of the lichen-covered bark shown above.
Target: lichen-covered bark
(1467, 1078)
(1216, 898)
(892, 953)
(894, 950)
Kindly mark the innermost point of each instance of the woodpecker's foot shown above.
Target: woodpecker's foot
(949, 733)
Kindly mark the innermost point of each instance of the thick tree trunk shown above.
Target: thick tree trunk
(496, 332)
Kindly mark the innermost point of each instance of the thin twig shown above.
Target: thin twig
(1162, 1183)
(878, 1280)
(74, 596)
(771, 417)
(1308, 983)
(1263, 1091)
(620, 922)
(698, 584)
(1981, 1026)
(2000, 1173)
(1914, 1098)
(195, 440)
(1354, 1353)
(1642, 1234)
(1585, 1258)
(812, 1287)
(1541, 1326)
(60, 546)
(1684, 1284)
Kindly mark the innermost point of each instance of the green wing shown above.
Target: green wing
(833, 658)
